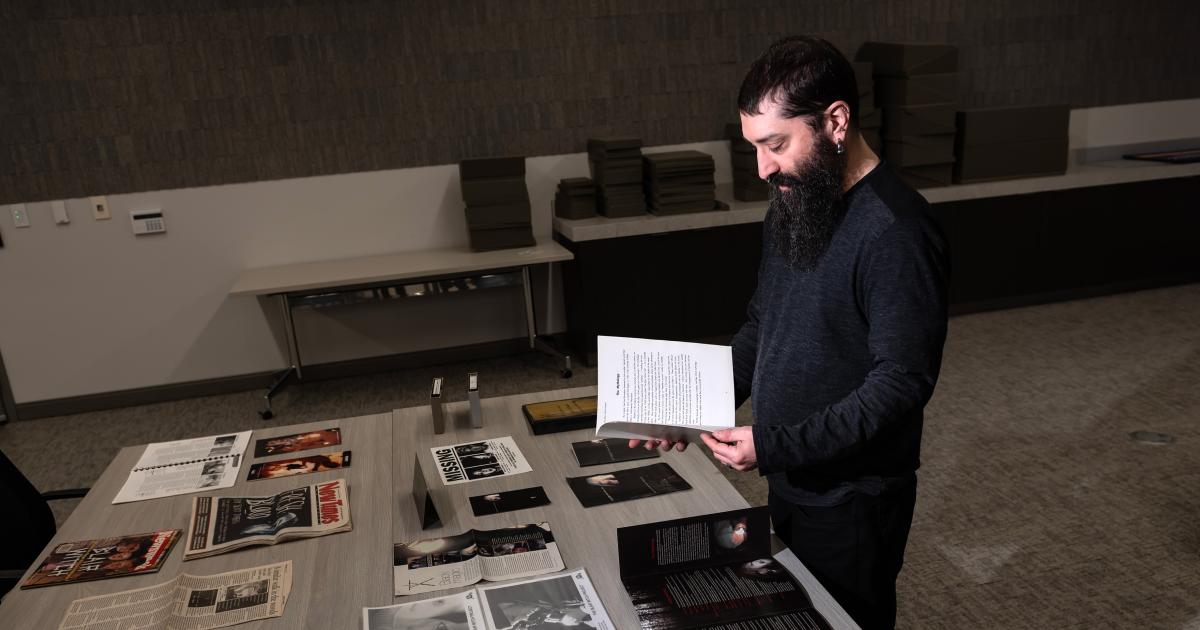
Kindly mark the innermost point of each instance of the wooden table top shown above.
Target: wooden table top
(336, 576)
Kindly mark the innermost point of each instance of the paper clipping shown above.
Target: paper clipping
(672, 390)
(472, 461)
(453, 612)
(189, 602)
(170, 468)
(565, 600)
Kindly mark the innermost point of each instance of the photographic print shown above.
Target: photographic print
(627, 485)
(453, 612)
(299, 465)
(558, 601)
(297, 442)
(498, 502)
(608, 451)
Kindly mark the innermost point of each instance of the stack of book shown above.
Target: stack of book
(870, 118)
(916, 86)
(747, 185)
(678, 182)
(1006, 142)
(575, 199)
(616, 165)
(497, 203)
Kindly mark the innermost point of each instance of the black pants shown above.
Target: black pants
(854, 549)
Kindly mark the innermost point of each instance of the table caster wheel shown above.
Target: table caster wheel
(566, 373)
(266, 415)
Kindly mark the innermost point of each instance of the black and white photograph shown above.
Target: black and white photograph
(499, 502)
(453, 612)
(558, 601)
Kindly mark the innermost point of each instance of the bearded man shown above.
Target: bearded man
(843, 340)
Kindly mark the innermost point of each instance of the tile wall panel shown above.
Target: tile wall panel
(110, 96)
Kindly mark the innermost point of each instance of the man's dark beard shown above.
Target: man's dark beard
(804, 218)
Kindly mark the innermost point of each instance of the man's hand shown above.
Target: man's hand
(733, 447)
(665, 445)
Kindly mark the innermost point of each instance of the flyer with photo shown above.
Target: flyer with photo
(452, 612)
(295, 442)
(436, 564)
(299, 465)
(565, 600)
(472, 461)
(627, 485)
(498, 502)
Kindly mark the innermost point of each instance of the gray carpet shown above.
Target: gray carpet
(1035, 507)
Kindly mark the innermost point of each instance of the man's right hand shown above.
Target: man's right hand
(663, 445)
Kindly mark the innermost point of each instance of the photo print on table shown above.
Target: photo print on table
(498, 502)
(453, 612)
(557, 601)
(297, 442)
(608, 451)
(627, 485)
(299, 465)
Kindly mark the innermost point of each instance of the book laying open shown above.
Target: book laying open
(435, 564)
(220, 524)
(670, 390)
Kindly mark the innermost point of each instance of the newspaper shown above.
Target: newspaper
(220, 524)
(472, 461)
(436, 564)
(188, 602)
(170, 468)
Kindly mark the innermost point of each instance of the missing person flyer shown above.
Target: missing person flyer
(472, 461)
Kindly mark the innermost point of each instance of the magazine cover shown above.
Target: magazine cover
(472, 461)
(297, 442)
(104, 558)
(711, 571)
(452, 612)
(436, 564)
(626, 485)
(220, 524)
(608, 451)
(299, 465)
(565, 600)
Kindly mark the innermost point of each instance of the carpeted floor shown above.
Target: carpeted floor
(1035, 508)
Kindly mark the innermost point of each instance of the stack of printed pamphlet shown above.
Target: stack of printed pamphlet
(220, 524)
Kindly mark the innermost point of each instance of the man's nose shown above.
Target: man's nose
(766, 164)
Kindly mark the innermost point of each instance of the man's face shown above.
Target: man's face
(805, 171)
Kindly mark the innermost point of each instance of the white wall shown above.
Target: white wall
(1134, 123)
(88, 308)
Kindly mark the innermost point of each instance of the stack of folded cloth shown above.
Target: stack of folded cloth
(575, 199)
(747, 186)
(870, 119)
(616, 165)
(916, 85)
(678, 182)
(1005, 142)
(497, 203)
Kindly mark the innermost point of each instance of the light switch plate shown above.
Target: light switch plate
(100, 210)
(20, 215)
(58, 209)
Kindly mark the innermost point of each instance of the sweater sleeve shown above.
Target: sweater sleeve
(745, 354)
(902, 286)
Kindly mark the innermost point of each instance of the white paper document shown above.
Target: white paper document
(170, 468)
(672, 390)
(472, 461)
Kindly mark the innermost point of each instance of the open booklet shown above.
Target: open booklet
(713, 571)
(220, 524)
(166, 469)
(562, 600)
(436, 564)
(658, 389)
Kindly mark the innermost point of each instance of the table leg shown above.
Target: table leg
(284, 377)
(536, 342)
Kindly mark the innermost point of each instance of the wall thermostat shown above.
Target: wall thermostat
(147, 221)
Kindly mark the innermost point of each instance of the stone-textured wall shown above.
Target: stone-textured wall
(109, 96)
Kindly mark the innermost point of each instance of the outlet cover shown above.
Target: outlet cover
(100, 210)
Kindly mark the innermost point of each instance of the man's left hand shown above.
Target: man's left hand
(733, 447)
